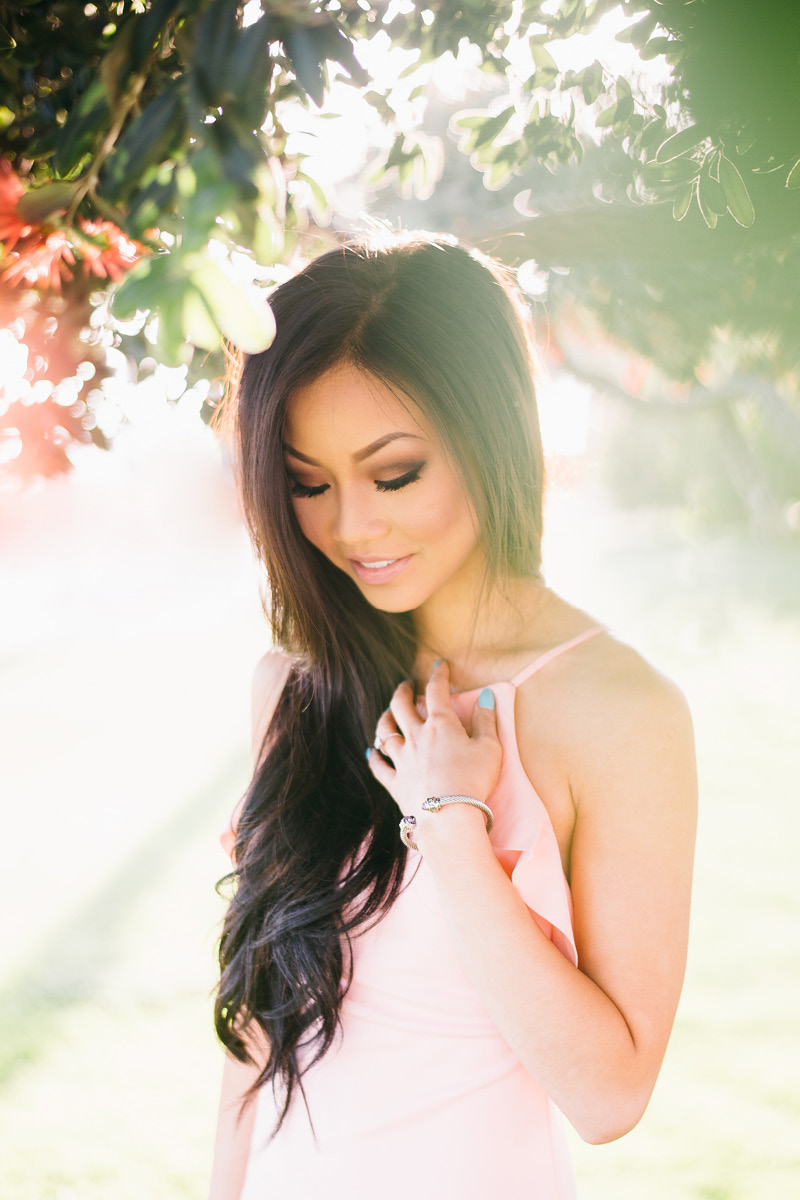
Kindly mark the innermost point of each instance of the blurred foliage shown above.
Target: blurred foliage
(145, 142)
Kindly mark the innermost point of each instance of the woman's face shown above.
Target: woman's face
(374, 490)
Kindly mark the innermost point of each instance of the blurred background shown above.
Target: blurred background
(664, 302)
(130, 626)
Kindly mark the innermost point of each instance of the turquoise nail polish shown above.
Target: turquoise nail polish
(486, 698)
(368, 753)
(436, 663)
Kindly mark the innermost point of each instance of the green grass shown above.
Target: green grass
(109, 1071)
(721, 618)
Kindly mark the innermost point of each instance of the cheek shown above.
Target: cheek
(446, 514)
(309, 518)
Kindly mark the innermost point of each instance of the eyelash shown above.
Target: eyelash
(383, 485)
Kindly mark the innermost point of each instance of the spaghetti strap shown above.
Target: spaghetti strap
(549, 655)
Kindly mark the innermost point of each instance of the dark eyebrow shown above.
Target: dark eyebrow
(359, 455)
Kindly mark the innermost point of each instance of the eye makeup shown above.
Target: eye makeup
(307, 491)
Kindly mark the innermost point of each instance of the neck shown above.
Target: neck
(473, 622)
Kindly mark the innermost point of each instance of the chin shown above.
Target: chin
(391, 601)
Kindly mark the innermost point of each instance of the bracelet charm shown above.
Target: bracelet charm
(434, 804)
(407, 827)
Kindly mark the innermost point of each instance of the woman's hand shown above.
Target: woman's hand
(435, 755)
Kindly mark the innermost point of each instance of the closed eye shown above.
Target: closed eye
(306, 491)
(400, 481)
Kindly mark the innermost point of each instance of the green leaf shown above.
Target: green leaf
(171, 347)
(197, 320)
(116, 62)
(652, 134)
(472, 120)
(247, 72)
(678, 143)
(214, 48)
(542, 58)
(248, 63)
(240, 153)
(682, 201)
(151, 138)
(303, 52)
(709, 216)
(242, 316)
(42, 202)
(712, 193)
(592, 84)
(638, 33)
(149, 27)
(740, 206)
(82, 129)
(793, 178)
(138, 290)
(151, 203)
(678, 170)
(606, 118)
(320, 200)
(334, 45)
(269, 238)
(656, 46)
(491, 128)
(499, 173)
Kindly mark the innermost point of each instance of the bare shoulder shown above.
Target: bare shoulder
(622, 687)
(626, 718)
(596, 714)
(269, 677)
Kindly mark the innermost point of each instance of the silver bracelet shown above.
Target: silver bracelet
(407, 827)
(434, 804)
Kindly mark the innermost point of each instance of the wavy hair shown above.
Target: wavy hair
(317, 854)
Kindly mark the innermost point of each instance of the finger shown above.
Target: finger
(437, 693)
(386, 724)
(404, 709)
(484, 716)
(388, 738)
(382, 769)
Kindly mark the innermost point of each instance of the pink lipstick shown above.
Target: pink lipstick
(379, 570)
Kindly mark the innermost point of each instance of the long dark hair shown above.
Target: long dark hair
(317, 852)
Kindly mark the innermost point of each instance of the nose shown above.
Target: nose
(357, 520)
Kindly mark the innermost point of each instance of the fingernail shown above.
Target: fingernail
(436, 663)
(368, 753)
(486, 698)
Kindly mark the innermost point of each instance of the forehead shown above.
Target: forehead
(347, 406)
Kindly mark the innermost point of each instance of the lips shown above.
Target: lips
(379, 570)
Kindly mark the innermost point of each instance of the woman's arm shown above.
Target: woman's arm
(593, 1037)
(234, 1130)
(235, 1125)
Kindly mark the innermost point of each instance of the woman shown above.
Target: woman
(408, 1010)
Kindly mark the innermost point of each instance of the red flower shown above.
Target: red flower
(110, 253)
(12, 227)
(42, 260)
(41, 255)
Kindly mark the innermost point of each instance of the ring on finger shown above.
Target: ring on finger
(379, 741)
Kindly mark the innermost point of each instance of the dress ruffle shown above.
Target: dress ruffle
(523, 834)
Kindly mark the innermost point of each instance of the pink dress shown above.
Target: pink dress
(421, 1095)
